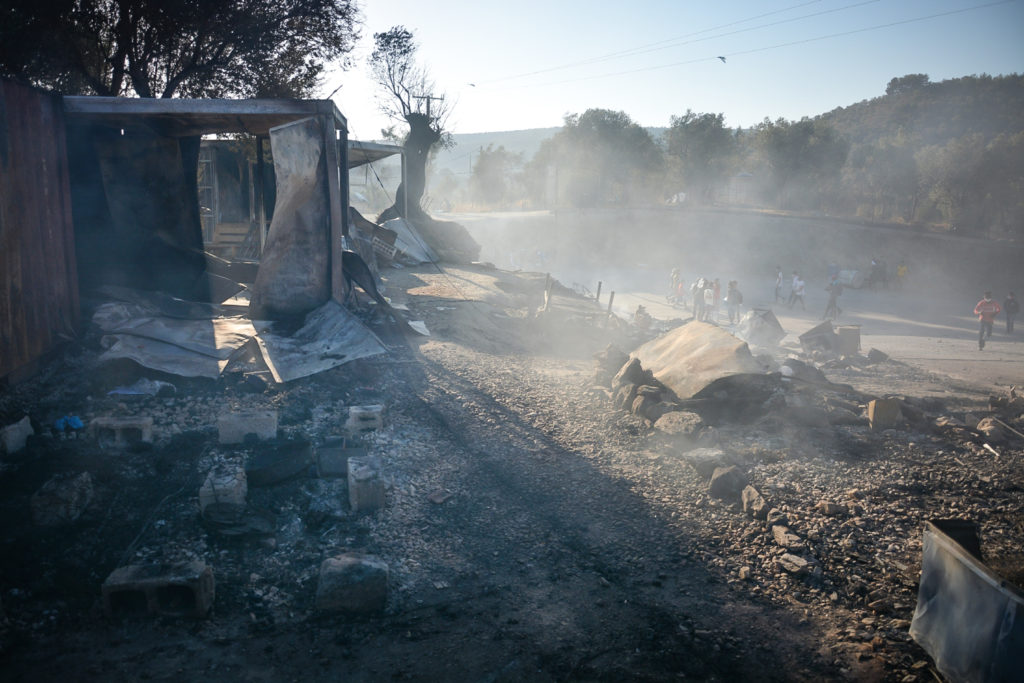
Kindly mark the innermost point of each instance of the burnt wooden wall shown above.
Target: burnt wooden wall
(38, 278)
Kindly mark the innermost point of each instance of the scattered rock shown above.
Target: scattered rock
(786, 538)
(727, 483)
(62, 500)
(706, 460)
(794, 564)
(631, 373)
(876, 356)
(754, 503)
(353, 583)
(830, 509)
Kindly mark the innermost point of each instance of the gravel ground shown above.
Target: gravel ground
(532, 530)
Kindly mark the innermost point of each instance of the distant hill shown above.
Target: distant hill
(458, 158)
(525, 142)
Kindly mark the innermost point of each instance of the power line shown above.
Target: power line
(768, 47)
(635, 50)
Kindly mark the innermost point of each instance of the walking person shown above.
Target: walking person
(1011, 307)
(792, 289)
(986, 310)
(733, 300)
(778, 284)
(834, 289)
(798, 293)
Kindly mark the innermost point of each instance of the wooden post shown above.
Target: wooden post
(597, 298)
(611, 298)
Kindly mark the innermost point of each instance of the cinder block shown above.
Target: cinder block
(234, 427)
(365, 419)
(184, 590)
(118, 432)
(365, 486)
(332, 458)
(224, 485)
(14, 436)
(353, 583)
(884, 413)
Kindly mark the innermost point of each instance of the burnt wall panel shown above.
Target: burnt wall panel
(38, 282)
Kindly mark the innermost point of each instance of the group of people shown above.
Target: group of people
(988, 308)
(797, 289)
(707, 298)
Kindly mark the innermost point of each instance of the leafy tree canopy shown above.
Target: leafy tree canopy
(166, 48)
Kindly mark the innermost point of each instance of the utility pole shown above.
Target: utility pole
(428, 98)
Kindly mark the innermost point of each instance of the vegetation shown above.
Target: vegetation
(214, 48)
(949, 155)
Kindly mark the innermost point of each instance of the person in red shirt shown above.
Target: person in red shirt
(986, 310)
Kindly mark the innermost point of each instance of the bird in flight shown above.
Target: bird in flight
(723, 59)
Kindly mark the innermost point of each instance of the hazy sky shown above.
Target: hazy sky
(532, 61)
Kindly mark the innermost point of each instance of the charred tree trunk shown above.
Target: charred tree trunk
(422, 136)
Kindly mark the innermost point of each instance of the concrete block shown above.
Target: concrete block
(365, 486)
(184, 590)
(234, 427)
(884, 413)
(119, 432)
(365, 419)
(332, 458)
(224, 485)
(14, 436)
(353, 583)
(61, 500)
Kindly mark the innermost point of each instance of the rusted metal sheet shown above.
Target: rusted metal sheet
(38, 276)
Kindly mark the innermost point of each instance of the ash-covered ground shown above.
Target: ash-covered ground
(533, 530)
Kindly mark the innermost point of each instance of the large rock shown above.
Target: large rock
(991, 430)
(680, 423)
(294, 278)
(632, 372)
(691, 357)
(727, 483)
(793, 564)
(353, 583)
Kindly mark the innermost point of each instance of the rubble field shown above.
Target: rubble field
(544, 518)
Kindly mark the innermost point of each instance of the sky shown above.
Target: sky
(527, 64)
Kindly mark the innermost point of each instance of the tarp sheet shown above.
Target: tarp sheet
(410, 244)
(692, 356)
(968, 619)
(330, 337)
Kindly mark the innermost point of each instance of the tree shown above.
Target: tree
(704, 150)
(409, 97)
(906, 84)
(167, 48)
(492, 173)
(598, 157)
(808, 150)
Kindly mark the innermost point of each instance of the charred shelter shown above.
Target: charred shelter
(104, 191)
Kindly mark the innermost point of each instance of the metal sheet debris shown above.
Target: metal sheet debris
(970, 620)
(693, 356)
(330, 337)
